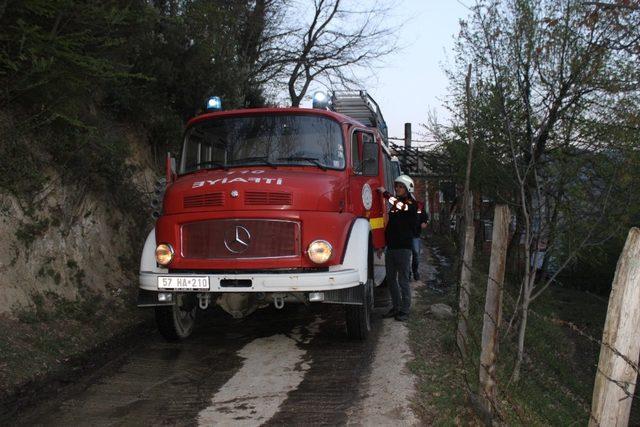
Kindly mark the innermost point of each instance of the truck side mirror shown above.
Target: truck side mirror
(170, 167)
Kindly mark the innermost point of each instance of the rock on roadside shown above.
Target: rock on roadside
(441, 311)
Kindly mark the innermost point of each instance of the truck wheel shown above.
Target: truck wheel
(176, 322)
(359, 316)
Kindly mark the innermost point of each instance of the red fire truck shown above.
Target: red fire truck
(272, 206)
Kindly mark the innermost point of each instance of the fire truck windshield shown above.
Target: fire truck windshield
(269, 139)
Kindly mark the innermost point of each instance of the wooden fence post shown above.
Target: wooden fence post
(465, 278)
(493, 307)
(616, 375)
(462, 332)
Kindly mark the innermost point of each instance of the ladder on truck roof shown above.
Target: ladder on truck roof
(360, 106)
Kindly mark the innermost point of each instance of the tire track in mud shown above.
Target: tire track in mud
(332, 385)
(272, 367)
(162, 384)
(296, 365)
(165, 383)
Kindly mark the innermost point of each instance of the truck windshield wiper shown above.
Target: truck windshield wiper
(211, 163)
(313, 160)
(263, 159)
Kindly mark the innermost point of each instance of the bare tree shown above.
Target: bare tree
(544, 71)
(265, 29)
(330, 43)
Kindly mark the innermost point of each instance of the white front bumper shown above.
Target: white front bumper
(302, 282)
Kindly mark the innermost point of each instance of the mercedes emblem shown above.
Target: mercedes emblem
(237, 239)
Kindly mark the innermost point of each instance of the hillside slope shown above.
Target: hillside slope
(70, 252)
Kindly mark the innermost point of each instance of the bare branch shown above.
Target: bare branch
(335, 41)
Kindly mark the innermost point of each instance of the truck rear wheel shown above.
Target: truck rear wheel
(176, 322)
(358, 317)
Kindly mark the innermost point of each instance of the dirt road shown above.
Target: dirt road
(278, 367)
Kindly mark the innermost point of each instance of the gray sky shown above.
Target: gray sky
(413, 83)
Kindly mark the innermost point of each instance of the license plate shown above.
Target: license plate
(183, 282)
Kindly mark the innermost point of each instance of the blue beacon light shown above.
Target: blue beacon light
(214, 104)
(320, 100)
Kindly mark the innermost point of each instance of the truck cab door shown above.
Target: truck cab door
(364, 180)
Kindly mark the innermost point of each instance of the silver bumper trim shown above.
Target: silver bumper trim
(301, 282)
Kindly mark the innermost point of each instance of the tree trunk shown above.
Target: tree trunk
(528, 280)
(295, 98)
(515, 377)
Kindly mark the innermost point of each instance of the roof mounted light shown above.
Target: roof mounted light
(320, 100)
(214, 103)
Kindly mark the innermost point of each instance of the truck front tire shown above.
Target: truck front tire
(358, 317)
(176, 322)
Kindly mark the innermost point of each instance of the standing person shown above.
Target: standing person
(399, 236)
(423, 218)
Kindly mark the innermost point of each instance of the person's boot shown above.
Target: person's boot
(389, 314)
(401, 317)
(416, 275)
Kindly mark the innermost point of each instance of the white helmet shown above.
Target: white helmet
(407, 181)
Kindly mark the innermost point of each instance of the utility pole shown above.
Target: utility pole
(407, 135)
(407, 145)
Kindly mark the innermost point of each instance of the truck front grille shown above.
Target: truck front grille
(240, 238)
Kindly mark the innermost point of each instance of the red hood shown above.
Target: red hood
(300, 188)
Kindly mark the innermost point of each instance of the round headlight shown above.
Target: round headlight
(164, 254)
(319, 251)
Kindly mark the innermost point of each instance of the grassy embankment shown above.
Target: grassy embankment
(557, 378)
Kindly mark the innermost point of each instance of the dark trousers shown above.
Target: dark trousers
(415, 256)
(398, 266)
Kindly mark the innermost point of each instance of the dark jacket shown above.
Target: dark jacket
(422, 217)
(402, 223)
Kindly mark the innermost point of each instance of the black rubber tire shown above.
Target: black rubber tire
(176, 322)
(358, 317)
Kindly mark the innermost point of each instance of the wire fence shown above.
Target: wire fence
(505, 403)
